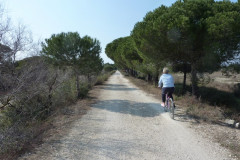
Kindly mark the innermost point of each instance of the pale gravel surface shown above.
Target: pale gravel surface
(127, 123)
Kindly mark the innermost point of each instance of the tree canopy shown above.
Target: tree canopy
(69, 49)
(195, 36)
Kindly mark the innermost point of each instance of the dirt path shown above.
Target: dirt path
(126, 123)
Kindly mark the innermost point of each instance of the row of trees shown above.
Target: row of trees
(192, 36)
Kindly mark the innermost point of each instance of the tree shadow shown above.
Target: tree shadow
(117, 73)
(117, 87)
(213, 96)
(183, 117)
(130, 107)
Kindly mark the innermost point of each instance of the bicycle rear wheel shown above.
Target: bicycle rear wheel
(171, 108)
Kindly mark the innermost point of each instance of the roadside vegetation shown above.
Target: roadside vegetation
(56, 75)
(212, 117)
(195, 39)
(108, 69)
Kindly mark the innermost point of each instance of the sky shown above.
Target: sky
(105, 20)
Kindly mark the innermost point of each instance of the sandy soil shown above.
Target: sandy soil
(127, 123)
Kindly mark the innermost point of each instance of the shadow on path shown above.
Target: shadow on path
(130, 107)
(117, 87)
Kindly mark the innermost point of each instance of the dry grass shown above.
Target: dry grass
(56, 126)
(102, 78)
(216, 80)
(231, 141)
(201, 111)
(215, 90)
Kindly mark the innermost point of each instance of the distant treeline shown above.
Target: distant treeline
(190, 36)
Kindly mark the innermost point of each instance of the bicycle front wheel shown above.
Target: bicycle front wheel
(171, 108)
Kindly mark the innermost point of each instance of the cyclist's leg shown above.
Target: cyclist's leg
(171, 90)
(163, 96)
(170, 95)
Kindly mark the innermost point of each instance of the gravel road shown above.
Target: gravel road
(127, 123)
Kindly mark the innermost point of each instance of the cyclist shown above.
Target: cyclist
(166, 81)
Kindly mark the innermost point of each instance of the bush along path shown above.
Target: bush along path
(126, 123)
(30, 128)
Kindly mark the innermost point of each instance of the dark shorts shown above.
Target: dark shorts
(167, 90)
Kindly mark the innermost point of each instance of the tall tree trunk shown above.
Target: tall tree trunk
(50, 94)
(149, 77)
(156, 75)
(78, 86)
(132, 72)
(184, 81)
(156, 80)
(89, 80)
(194, 80)
(135, 73)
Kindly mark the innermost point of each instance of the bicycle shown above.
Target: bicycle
(169, 106)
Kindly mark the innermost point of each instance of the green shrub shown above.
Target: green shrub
(204, 112)
(236, 90)
(102, 78)
(216, 97)
(84, 89)
(109, 67)
(66, 93)
(19, 121)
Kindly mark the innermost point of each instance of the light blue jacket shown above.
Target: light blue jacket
(167, 80)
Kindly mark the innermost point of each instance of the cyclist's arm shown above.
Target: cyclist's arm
(160, 83)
